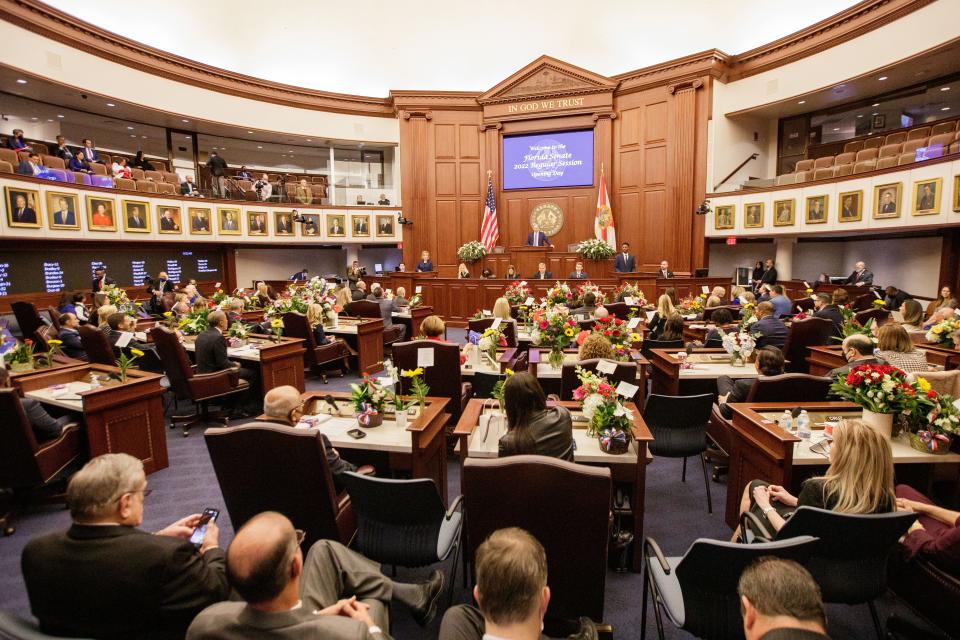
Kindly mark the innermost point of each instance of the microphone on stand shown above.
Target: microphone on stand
(333, 403)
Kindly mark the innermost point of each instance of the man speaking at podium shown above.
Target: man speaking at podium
(537, 238)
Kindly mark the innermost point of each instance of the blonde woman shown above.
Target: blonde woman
(596, 346)
(181, 305)
(199, 305)
(748, 297)
(912, 313)
(721, 294)
(263, 294)
(713, 301)
(665, 309)
(896, 348)
(103, 313)
(462, 272)
(315, 320)
(858, 480)
(501, 309)
(343, 297)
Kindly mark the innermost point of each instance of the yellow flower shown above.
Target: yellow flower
(923, 384)
(54, 343)
(635, 337)
(938, 329)
(569, 332)
(276, 323)
(136, 352)
(508, 372)
(407, 373)
(809, 290)
(167, 314)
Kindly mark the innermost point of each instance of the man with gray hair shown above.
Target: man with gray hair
(857, 349)
(779, 600)
(105, 578)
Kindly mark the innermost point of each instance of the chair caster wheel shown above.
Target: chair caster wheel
(9, 531)
(324, 379)
(186, 432)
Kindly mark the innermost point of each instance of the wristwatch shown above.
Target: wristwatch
(374, 630)
(768, 510)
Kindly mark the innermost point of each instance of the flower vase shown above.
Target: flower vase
(401, 418)
(936, 445)
(556, 358)
(21, 366)
(736, 359)
(613, 441)
(369, 421)
(880, 422)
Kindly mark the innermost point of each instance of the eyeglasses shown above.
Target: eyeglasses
(301, 534)
(145, 493)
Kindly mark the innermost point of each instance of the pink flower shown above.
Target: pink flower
(579, 393)
(544, 324)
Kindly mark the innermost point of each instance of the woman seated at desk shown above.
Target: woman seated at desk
(315, 319)
(935, 536)
(665, 309)
(532, 427)
(501, 309)
(770, 362)
(896, 348)
(45, 427)
(463, 272)
(433, 328)
(596, 346)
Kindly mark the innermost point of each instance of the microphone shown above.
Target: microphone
(333, 403)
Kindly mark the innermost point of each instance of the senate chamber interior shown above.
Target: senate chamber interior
(480, 321)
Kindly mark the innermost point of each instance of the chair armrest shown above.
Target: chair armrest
(457, 504)
(649, 544)
(212, 384)
(764, 534)
(68, 428)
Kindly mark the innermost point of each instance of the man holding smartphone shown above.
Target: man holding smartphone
(105, 578)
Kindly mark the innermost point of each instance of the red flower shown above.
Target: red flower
(28, 342)
(932, 394)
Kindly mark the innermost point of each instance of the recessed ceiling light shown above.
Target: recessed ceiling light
(33, 118)
(187, 137)
(876, 104)
(49, 119)
(882, 78)
(129, 128)
(875, 113)
(836, 128)
(944, 88)
(214, 148)
(110, 104)
(184, 120)
(133, 135)
(21, 81)
(860, 116)
(60, 115)
(945, 109)
(144, 137)
(802, 102)
(309, 140)
(259, 147)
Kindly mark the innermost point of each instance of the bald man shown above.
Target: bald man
(861, 276)
(334, 594)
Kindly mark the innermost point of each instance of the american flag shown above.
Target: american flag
(489, 230)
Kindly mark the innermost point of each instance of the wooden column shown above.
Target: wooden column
(414, 141)
(950, 260)
(684, 134)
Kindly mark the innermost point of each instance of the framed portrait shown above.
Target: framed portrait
(283, 223)
(256, 223)
(851, 206)
(136, 216)
(360, 225)
(63, 210)
(753, 215)
(784, 212)
(229, 218)
(101, 214)
(311, 227)
(169, 220)
(199, 221)
(926, 196)
(886, 200)
(956, 193)
(385, 226)
(879, 121)
(723, 216)
(817, 209)
(336, 226)
(23, 207)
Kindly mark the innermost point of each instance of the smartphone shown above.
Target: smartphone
(209, 515)
(356, 434)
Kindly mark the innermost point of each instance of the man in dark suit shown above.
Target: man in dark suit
(257, 225)
(542, 273)
(187, 188)
(45, 427)
(767, 276)
(230, 222)
(136, 219)
(588, 306)
(64, 216)
(199, 222)
(773, 333)
(664, 271)
(100, 280)
(218, 173)
(857, 349)
(926, 199)
(779, 599)
(824, 308)
(360, 226)
(89, 152)
(887, 203)
(578, 273)
(336, 229)
(168, 222)
(163, 284)
(62, 151)
(21, 212)
(769, 362)
(861, 276)
(105, 578)
(624, 262)
(385, 227)
(211, 351)
(537, 238)
(31, 166)
(70, 337)
(284, 226)
(895, 298)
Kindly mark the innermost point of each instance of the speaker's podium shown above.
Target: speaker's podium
(527, 259)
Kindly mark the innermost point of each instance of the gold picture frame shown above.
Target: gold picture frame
(58, 218)
(101, 214)
(850, 206)
(23, 208)
(360, 225)
(724, 216)
(311, 227)
(817, 215)
(956, 193)
(283, 223)
(257, 224)
(886, 200)
(336, 225)
(386, 226)
(926, 196)
(229, 221)
(784, 212)
(753, 215)
(136, 216)
(169, 219)
(199, 221)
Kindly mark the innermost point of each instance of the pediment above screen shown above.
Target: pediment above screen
(547, 77)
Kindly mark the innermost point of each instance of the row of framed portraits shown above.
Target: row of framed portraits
(887, 203)
(25, 209)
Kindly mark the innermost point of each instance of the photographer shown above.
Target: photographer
(263, 188)
(354, 273)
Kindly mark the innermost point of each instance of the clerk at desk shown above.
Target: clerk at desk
(425, 263)
(537, 238)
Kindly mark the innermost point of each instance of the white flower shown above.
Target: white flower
(591, 403)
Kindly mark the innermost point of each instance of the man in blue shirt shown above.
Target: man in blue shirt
(781, 303)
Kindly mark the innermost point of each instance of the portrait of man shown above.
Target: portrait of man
(312, 225)
(723, 217)
(22, 207)
(169, 220)
(926, 197)
(256, 223)
(384, 225)
(229, 221)
(816, 209)
(135, 216)
(754, 215)
(956, 193)
(335, 226)
(361, 225)
(283, 222)
(199, 221)
(62, 208)
(784, 210)
(101, 214)
(850, 206)
(886, 201)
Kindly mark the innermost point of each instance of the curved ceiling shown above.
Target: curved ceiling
(367, 47)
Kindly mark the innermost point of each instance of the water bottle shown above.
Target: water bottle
(786, 421)
(803, 425)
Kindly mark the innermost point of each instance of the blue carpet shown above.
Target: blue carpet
(676, 515)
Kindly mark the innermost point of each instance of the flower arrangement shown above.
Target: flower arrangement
(589, 287)
(934, 420)
(368, 399)
(803, 315)
(497, 392)
(555, 328)
(740, 345)
(277, 325)
(560, 293)
(53, 350)
(21, 356)
(879, 388)
(194, 323)
(615, 330)
(250, 302)
(418, 388)
(595, 249)
(944, 332)
(610, 421)
(627, 290)
(219, 297)
(124, 362)
(747, 315)
(850, 325)
(879, 304)
(472, 251)
(115, 295)
(490, 340)
(692, 304)
(238, 330)
(517, 292)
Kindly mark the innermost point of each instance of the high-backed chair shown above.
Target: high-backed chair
(873, 143)
(886, 163)
(897, 137)
(363, 309)
(843, 170)
(317, 357)
(708, 313)
(803, 165)
(907, 158)
(247, 460)
(625, 372)
(552, 491)
(853, 146)
(929, 590)
(942, 140)
(879, 316)
(54, 314)
(889, 150)
(847, 157)
(863, 166)
(42, 336)
(823, 173)
(508, 328)
(942, 128)
(918, 132)
(803, 334)
(25, 464)
(863, 302)
(125, 183)
(443, 377)
(788, 178)
(9, 155)
(27, 317)
(823, 163)
(803, 304)
(137, 174)
(147, 186)
(167, 188)
(53, 162)
(5, 167)
(98, 168)
(199, 388)
(649, 345)
(618, 309)
(679, 428)
(789, 387)
(97, 345)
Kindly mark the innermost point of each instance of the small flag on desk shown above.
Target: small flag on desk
(489, 230)
(603, 225)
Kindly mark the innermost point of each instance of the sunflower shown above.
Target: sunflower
(568, 332)
(136, 352)
(276, 323)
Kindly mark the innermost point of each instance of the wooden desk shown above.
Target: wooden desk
(60, 362)
(119, 417)
(540, 367)
(411, 319)
(279, 363)
(826, 358)
(668, 378)
(421, 448)
(629, 467)
(478, 362)
(759, 449)
(366, 336)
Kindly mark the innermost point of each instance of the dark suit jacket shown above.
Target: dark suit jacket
(106, 281)
(119, 582)
(24, 168)
(169, 224)
(547, 275)
(69, 220)
(199, 224)
(773, 333)
(896, 301)
(541, 241)
(621, 265)
(136, 223)
(165, 286)
(832, 313)
(425, 266)
(660, 274)
(769, 276)
(237, 621)
(186, 188)
(573, 276)
(25, 215)
(738, 391)
(72, 347)
(865, 277)
(211, 352)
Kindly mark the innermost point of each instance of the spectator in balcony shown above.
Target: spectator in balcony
(139, 162)
(218, 174)
(243, 174)
(383, 200)
(188, 188)
(62, 151)
(304, 195)
(17, 143)
(79, 164)
(89, 152)
(31, 166)
(263, 188)
(120, 169)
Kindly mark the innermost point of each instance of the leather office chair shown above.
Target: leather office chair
(25, 464)
(625, 372)
(618, 309)
(649, 345)
(509, 329)
(679, 428)
(443, 377)
(40, 337)
(708, 313)
(552, 491)
(27, 317)
(15, 628)
(879, 316)
(802, 334)
(199, 388)
(803, 304)
(928, 590)
(370, 309)
(944, 382)
(863, 302)
(790, 387)
(54, 317)
(266, 467)
(317, 356)
(97, 345)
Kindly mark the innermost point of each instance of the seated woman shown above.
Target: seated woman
(935, 536)
(501, 309)
(712, 301)
(487, 274)
(315, 319)
(263, 294)
(463, 272)
(141, 163)
(45, 427)
(896, 348)
(120, 169)
(343, 297)
(840, 296)
(665, 309)
(858, 480)
(912, 313)
(672, 328)
(747, 297)
(199, 305)
(511, 273)
(721, 294)
(532, 427)
(73, 303)
(433, 328)
(181, 306)
(735, 293)
(596, 346)
(720, 318)
(944, 300)
(103, 315)
(769, 362)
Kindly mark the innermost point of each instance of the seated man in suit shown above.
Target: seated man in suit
(578, 273)
(624, 262)
(211, 350)
(664, 271)
(894, 298)
(425, 264)
(588, 305)
(857, 349)
(537, 238)
(360, 293)
(17, 142)
(542, 273)
(773, 333)
(121, 323)
(334, 593)
(782, 306)
(45, 427)
(769, 362)
(860, 276)
(824, 308)
(780, 599)
(386, 309)
(105, 578)
(31, 166)
(62, 151)
(767, 275)
(70, 337)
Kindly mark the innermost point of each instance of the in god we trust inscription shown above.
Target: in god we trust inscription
(548, 216)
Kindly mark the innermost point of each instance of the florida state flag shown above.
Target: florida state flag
(603, 225)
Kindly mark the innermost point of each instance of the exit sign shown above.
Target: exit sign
(732, 240)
